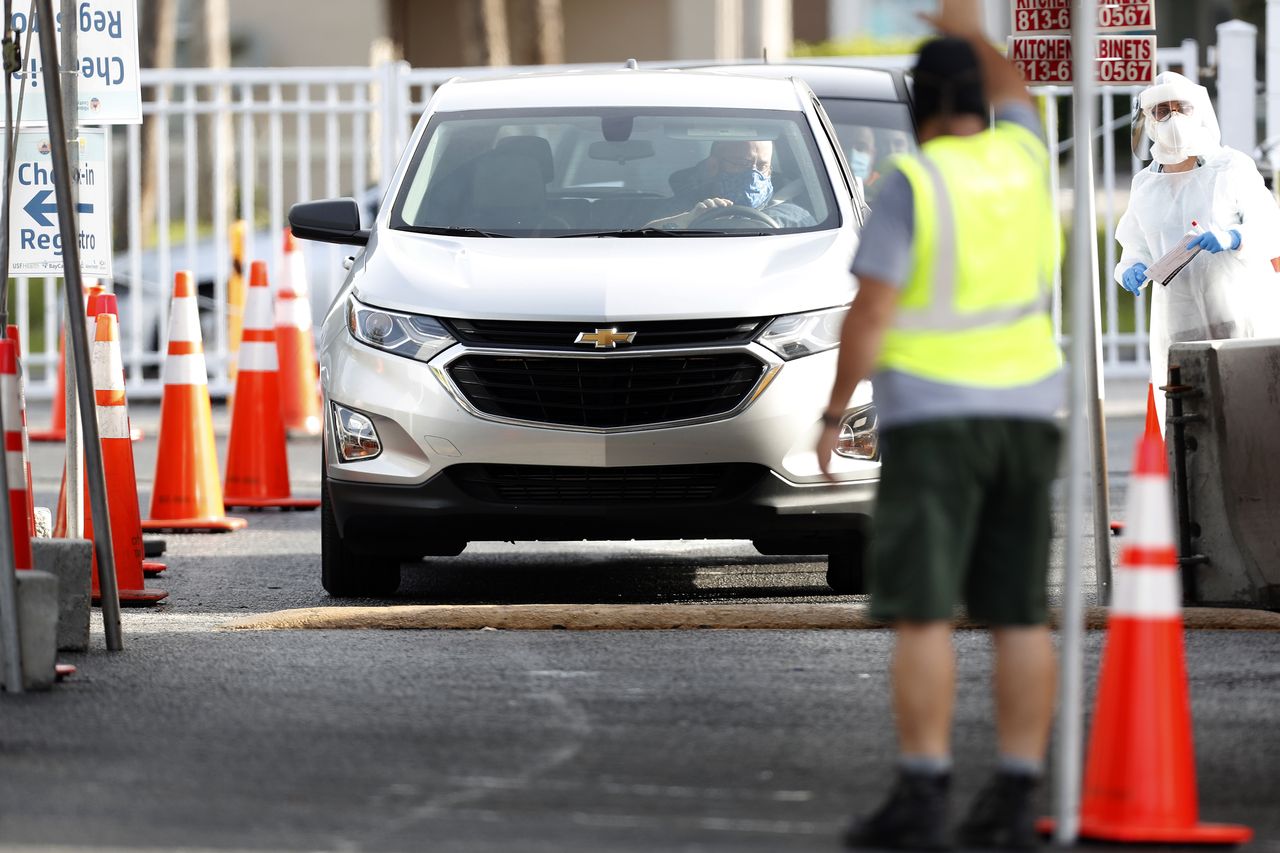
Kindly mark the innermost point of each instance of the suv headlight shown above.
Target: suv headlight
(794, 335)
(857, 438)
(410, 335)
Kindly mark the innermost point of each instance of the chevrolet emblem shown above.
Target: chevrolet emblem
(605, 338)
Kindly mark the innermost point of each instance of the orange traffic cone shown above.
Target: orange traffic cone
(300, 394)
(15, 468)
(186, 494)
(11, 332)
(57, 430)
(1153, 419)
(1140, 781)
(117, 466)
(257, 464)
(105, 303)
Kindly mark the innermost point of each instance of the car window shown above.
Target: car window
(556, 173)
(870, 132)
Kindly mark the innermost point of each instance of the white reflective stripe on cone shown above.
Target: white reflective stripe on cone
(113, 422)
(16, 469)
(1147, 593)
(299, 313)
(107, 367)
(185, 369)
(284, 308)
(12, 407)
(258, 356)
(257, 310)
(184, 323)
(1150, 502)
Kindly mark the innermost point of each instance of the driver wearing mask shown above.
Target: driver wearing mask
(737, 173)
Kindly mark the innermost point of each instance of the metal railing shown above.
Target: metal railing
(285, 135)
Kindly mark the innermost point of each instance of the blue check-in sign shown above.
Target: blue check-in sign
(109, 89)
(35, 238)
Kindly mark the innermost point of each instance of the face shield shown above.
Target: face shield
(1174, 120)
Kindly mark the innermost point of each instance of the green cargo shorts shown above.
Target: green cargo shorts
(962, 513)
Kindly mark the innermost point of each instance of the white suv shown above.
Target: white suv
(594, 306)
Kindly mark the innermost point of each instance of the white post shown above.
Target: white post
(1083, 355)
(1273, 75)
(1191, 60)
(1237, 85)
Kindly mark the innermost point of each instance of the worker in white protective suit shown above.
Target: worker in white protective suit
(1229, 289)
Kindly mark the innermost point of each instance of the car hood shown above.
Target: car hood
(596, 278)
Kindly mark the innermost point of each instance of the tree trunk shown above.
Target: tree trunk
(484, 33)
(155, 50)
(548, 32)
(216, 161)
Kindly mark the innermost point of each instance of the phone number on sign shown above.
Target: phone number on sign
(1045, 16)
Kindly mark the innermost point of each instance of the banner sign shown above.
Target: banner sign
(1053, 17)
(35, 243)
(1121, 60)
(109, 89)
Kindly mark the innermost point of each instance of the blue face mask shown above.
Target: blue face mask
(860, 162)
(751, 188)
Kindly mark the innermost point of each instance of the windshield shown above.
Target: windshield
(869, 133)
(616, 172)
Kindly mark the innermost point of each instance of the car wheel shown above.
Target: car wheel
(845, 567)
(345, 574)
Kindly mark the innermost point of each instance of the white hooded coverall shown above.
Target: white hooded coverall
(1230, 294)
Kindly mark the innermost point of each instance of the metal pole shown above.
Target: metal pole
(1096, 387)
(77, 342)
(74, 440)
(1083, 252)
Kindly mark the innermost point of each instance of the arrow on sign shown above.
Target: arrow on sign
(40, 208)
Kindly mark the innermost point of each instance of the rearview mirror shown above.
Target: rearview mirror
(333, 220)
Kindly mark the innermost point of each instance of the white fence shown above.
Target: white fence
(292, 134)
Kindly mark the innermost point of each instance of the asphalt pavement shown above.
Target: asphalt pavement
(200, 738)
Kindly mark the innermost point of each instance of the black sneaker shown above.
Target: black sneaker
(914, 817)
(1002, 816)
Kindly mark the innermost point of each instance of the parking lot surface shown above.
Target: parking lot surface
(197, 737)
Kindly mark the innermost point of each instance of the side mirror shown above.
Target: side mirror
(334, 220)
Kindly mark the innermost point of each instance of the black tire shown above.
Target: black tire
(345, 574)
(845, 568)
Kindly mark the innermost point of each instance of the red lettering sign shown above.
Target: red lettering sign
(1120, 60)
(1054, 16)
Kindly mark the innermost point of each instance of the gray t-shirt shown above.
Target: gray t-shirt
(884, 253)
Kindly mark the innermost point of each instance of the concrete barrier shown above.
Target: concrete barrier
(1231, 455)
(38, 619)
(70, 561)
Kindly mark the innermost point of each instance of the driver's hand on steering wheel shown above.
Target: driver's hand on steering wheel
(709, 203)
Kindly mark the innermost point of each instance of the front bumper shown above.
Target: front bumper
(408, 497)
(417, 519)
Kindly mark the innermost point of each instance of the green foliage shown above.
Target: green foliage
(1126, 304)
(858, 46)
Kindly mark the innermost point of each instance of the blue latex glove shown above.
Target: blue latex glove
(1216, 240)
(1134, 277)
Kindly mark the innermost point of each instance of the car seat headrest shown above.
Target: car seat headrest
(533, 147)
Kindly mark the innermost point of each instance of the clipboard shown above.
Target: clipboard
(1175, 260)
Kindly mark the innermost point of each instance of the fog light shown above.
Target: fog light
(857, 439)
(356, 438)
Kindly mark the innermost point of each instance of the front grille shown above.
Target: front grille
(650, 334)
(609, 392)
(650, 483)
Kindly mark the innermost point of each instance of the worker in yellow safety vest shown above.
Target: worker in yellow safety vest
(951, 324)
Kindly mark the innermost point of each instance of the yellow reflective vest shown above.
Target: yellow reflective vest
(974, 310)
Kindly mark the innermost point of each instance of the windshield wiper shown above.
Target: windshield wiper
(450, 232)
(664, 232)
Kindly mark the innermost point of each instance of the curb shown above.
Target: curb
(661, 617)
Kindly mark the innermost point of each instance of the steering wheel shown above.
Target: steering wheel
(733, 211)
